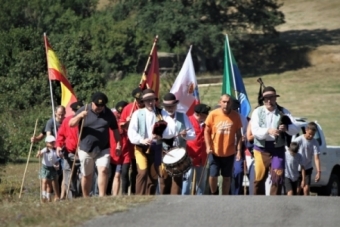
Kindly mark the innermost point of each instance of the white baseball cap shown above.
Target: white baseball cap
(49, 139)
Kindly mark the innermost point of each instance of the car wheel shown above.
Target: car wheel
(333, 186)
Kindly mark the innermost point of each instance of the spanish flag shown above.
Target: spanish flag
(56, 71)
(150, 78)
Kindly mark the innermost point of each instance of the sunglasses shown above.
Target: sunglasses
(149, 100)
(99, 105)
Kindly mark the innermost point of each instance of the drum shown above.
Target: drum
(177, 161)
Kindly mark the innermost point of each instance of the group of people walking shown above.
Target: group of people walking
(125, 148)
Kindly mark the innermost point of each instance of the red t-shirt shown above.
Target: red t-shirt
(196, 148)
(67, 136)
(126, 113)
(125, 155)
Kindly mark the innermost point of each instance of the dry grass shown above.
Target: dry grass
(310, 14)
(313, 92)
(28, 211)
(102, 4)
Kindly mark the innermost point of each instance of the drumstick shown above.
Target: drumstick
(167, 153)
(180, 134)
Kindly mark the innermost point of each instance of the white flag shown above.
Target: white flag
(185, 87)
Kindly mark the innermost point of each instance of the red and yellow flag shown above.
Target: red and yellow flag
(56, 71)
(150, 79)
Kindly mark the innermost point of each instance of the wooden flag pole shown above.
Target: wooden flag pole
(145, 71)
(28, 159)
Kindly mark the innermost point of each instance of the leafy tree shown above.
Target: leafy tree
(202, 23)
(94, 44)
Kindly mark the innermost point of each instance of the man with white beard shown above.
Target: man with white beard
(180, 126)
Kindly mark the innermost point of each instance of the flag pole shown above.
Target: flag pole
(190, 48)
(148, 62)
(236, 94)
(50, 83)
(145, 71)
(231, 67)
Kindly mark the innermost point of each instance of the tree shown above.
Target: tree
(203, 23)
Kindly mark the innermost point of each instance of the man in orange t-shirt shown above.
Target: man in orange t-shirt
(223, 125)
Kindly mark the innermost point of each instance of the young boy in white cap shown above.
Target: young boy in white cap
(50, 165)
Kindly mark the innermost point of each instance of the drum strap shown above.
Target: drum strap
(180, 125)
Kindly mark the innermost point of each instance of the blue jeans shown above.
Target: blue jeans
(237, 178)
(200, 183)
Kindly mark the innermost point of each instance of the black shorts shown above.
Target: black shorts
(308, 176)
(221, 165)
(291, 185)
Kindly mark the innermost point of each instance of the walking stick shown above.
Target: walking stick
(28, 159)
(193, 188)
(244, 177)
(39, 174)
(144, 76)
(75, 155)
(203, 172)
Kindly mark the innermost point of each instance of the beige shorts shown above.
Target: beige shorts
(89, 159)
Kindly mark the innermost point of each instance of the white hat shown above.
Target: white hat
(49, 139)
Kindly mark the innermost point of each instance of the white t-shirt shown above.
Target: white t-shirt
(49, 158)
(292, 165)
(308, 149)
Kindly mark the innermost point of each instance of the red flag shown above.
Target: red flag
(150, 79)
(56, 71)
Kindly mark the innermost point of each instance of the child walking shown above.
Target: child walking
(309, 149)
(293, 160)
(50, 165)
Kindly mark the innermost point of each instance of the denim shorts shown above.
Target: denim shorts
(221, 165)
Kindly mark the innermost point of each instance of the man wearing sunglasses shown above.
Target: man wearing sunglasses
(94, 146)
(269, 142)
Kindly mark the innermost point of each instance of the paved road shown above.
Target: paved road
(227, 211)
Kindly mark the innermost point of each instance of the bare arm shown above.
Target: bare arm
(318, 167)
(189, 129)
(39, 154)
(207, 138)
(250, 136)
(303, 173)
(239, 144)
(37, 138)
(76, 119)
(117, 138)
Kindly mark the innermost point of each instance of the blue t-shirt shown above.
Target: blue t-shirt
(292, 165)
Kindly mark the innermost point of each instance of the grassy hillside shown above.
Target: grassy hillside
(312, 91)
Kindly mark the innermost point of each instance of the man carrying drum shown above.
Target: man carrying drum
(178, 131)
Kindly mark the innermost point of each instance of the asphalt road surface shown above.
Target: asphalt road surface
(227, 211)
